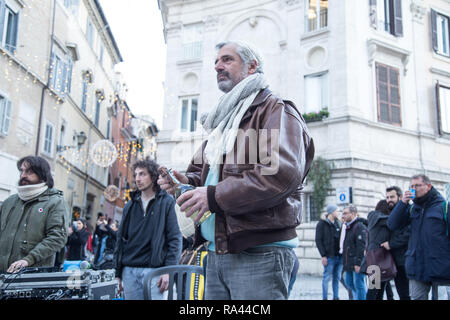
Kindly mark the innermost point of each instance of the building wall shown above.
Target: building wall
(25, 73)
(366, 154)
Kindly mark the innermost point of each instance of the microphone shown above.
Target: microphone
(84, 265)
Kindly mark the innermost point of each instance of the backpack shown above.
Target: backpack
(444, 210)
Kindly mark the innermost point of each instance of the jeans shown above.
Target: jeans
(261, 273)
(133, 284)
(332, 270)
(357, 283)
(420, 290)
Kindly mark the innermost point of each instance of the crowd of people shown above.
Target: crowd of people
(247, 179)
(405, 239)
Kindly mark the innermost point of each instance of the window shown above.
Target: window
(443, 104)
(72, 6)
(90, 32)
(189, 114)
(87, 80)
(440, 33)
(98, 101)
(48, 138)
(388, 94)
(5, 115)
(316, 92)
(9, 21)
(388, 15)
(312, 212)
(61, 77)
(192, 42)
(316, 14)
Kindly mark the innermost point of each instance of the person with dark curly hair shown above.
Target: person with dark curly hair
(149, 236)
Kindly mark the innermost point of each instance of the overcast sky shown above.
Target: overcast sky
(138, 30)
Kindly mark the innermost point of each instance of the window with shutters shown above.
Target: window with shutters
(443, 106)
(387, 16)
(61, 76)
(189, 114)
(5, 115)
(388, 94)
(87, 80)
(440, 33)
(48, 138)
(316, 14)
(9, 23)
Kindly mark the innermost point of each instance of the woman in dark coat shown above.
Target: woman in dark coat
(76, 243)
(378, 234)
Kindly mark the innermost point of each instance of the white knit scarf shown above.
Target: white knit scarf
(31, 191)
(222, 123)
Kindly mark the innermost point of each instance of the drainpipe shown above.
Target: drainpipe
(45, 87)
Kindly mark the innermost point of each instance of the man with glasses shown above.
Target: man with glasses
(427, 260)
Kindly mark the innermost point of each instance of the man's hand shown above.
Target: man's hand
(163, 283)
(357, 269)
(17, 266)
(385, 245)
(120, 285)
(324, 261)
(164, 182)
(193, 201)
(407, 196)
(70, 231)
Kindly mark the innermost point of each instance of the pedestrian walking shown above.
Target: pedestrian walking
(352, 246)
(35, 221)
(76, 243)
(254, 196)
(427, 260)
(149, 236)
(398, 245)
(327, 237)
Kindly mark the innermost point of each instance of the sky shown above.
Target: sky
(138, 30)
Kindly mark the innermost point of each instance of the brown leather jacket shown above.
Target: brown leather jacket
(254, 204)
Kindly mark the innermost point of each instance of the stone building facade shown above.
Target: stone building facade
(380, 69)
(58, 59)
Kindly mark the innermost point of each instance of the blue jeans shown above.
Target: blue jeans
(133, 284)
(332, 270)
(261, 273)
(357, 283)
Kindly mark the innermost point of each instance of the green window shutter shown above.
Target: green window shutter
(434, 35)
(397, 18)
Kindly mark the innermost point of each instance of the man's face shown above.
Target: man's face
(421, 187)
(230, 68)
(143, 179)
(347, 216)
(27, 176)
(392, 198)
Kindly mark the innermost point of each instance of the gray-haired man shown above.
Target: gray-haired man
(255, 199)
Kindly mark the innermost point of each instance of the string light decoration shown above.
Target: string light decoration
(103, 153)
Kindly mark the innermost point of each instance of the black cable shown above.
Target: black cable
(20, 272)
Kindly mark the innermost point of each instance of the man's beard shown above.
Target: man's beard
(391, 205)
(24, 182)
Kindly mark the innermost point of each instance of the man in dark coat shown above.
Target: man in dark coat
(398, 244)
(353, 238)
(149, 236)
(328, 231)
(428, 257)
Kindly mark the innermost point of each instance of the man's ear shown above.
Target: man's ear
(252, 67)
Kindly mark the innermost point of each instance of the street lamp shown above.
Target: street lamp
(81, 139)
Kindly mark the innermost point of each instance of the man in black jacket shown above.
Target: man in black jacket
(149, 236)
(327, 242)
(398, 244)
(353, 244)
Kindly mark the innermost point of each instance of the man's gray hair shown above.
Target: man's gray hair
(352, 209)
(424, 178)
(245, 52)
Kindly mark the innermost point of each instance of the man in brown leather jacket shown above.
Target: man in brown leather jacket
(249, 174)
